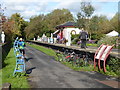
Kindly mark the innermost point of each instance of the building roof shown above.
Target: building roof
(113, 33)
(67, 24)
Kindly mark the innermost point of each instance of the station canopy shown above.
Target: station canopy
(67, 24)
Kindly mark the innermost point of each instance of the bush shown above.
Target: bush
(48, 34)
(107, 40)
(75, 38)
(96, 36)
(114, 65)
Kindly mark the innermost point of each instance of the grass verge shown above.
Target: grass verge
(7, 73)
(91, 44)
(45, 50)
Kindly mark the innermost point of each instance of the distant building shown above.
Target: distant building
(112, 33)
(63, 29)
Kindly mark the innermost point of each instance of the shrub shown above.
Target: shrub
(75, 38)
(107, 40)
(114, 65)
(96, 36)
(48, 34)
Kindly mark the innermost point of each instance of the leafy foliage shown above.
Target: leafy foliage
(35, 27)
(96, 36)
(14, 27)
(75, 38)
(86, 10)
(115, 23)
(107, 40)
(94, 25)
(113, 65)
(104, 25)
(47, 23)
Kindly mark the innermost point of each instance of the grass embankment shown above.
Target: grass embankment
(7, 73)
(51, 52)
(45, 50)
(92, 44)
(0, 78)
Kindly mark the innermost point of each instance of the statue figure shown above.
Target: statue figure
(3, 37)
(34, 39)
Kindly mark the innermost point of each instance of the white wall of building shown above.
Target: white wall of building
(71, 30)
(67, 34)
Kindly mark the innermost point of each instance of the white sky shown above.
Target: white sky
(28, 8)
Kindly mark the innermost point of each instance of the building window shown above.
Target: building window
(73, 32)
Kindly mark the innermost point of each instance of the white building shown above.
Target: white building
(65, 30)
(112, 33)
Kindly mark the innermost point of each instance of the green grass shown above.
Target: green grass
(85, 68)
(7, 73)
(0, 78)
(45, 50)
(90, 44)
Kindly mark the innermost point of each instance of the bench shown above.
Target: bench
(101, 55)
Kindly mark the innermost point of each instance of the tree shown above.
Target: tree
(15, 26)
(99, 25)
(35, 27)
(86, 10)
(104, 25)
(19, 24)
(8, 29)
(80, 21)
(115, 23)
(58, 16)
(94, 24)
(47, 23)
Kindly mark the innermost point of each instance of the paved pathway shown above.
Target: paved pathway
(45, 72)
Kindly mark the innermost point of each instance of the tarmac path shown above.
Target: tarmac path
(45, 72)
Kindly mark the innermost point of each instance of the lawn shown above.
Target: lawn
(45, 50)
(7, 73)
(91, 44)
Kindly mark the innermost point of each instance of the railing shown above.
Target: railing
(20, 62)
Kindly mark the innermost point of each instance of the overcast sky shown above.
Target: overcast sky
(28, 8)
